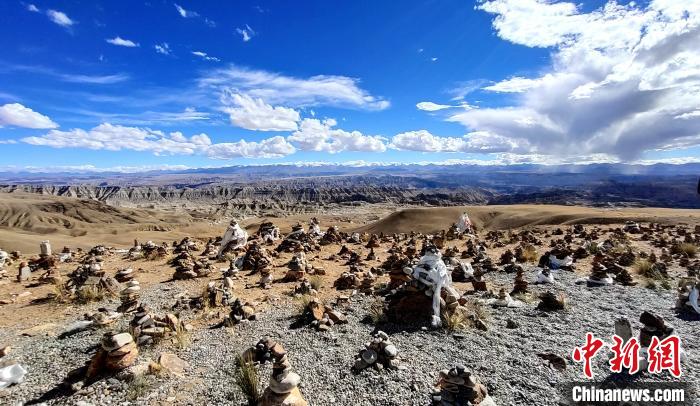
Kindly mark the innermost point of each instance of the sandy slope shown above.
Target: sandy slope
(27, 219)
(429, 220)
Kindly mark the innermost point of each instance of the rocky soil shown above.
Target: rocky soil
(504, 356)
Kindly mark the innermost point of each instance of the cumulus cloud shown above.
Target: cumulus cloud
(274, 88)
(514, 85)
(275, 147)
(16, 115)
(475, 142)
(118, 41)
(32, 8)
(204, 56)
(624, 79)
(163, 48)
(254, 114)
(246, 33)
(59, 18)
(117, 138)
(320, 136)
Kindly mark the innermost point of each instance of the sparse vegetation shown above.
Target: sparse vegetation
(688, 249)
(642, 267)
(316, 282)
(138, 387)
(376, 310)
(247, 380)
(181, 337)
(593, 248)
(302, 302)
(530, 253)
(59, 293)
(455, 321)
(89, 294)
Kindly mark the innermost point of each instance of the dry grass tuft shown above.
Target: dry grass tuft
(316, 282)
(59, 293)
(89, 294)
(138, 387)
(691, 250)
(642, 267)
(455, 321)
(530, 253)
(377, 311)
(301, 303)
(181, 337)
(247, 380)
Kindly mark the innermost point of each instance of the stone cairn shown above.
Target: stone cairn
(147, 327)
(129, 297)
(268, 232)
(395, 266)
(283, 387)
(298, 240)
(654, 326)
(124, 275)
(304, 288)
(210, 249)
(688, 293)
(332, 236)
(599, 275)
(240, 312)
(187, 266)
(117, 352)
(379, 353)
(551, 302)
(459, 387)
(347, 280)
(89, 275)
(296, 268)
(322, 317)
(520, 284)
(255, 258)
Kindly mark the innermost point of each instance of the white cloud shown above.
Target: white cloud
(163, 48)
(118, 41)
(275, 147)
(185, 13)
(204, 56)
(254, 114)
(246, 33)
(476, 142)
(320, 136)
(624, 79)
(16, 115)
(32, 8)
(59, 18)
(514, 85)
(117, 138)
(277, 89)
(430, 106)
(433, 59)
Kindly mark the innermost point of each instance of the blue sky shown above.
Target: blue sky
(161, 83)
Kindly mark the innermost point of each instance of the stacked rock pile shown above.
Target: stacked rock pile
(458, 386)
(117, 352)
(283, 386)
(129, 297)
(379, 353)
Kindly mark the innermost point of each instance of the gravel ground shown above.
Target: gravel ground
(504, 358)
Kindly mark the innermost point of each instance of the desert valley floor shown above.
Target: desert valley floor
(326, 305)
